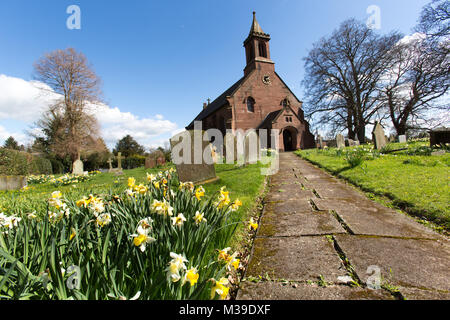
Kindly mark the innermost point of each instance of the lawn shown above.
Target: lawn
(98, 233)
(412, 179)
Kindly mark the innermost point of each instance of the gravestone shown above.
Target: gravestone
(77, 168)
(192, 156)
(391, 138)
(230, 148)
(150, 163)
(356, 143)
(378, 136)
(402, 139)
(340, 141)
(320, 142)
(119, 161)
(13, 182)
(117, 171)
(110, 165)
(251, 147)
(161, 161)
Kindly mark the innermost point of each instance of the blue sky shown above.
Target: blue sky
(160, 60)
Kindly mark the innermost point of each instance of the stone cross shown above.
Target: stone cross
(119, 160)
(110, 164)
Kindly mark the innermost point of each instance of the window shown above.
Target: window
(250, 104)
(262, 49)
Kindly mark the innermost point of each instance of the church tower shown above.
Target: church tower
(257, 49)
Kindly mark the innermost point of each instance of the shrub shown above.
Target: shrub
(40, 165)
(14, 162)
(132, 162)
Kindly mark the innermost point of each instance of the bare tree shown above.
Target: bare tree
(416, 79)
(342, 74)
(67, 123)
(435, 19)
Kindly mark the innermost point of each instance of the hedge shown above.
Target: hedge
(13, 162)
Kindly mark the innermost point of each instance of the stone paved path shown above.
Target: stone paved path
(315, 228)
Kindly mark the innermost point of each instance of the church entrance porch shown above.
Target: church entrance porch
(289, 139)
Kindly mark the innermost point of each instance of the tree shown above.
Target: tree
(128, 147)
(342, 74)
(435, 20)
(67, 123)
(11, 143)
(416, 79)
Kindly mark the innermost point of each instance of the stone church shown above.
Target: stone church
(259, 100)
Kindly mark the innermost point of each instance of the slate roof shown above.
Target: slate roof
(216, 104)
(266, 123)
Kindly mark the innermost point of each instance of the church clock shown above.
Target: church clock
(266, 79)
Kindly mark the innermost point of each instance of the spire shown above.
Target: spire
(256, 29)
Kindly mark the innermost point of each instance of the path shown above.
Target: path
(316, 228)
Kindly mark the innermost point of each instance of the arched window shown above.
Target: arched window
(250, 104)
(262, 49)
(285, 102)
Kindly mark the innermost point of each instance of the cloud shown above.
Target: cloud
(24, 101)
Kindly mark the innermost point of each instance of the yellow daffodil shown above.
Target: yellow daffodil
(199, 218)
(178, 220)
(56, 194)
(131, 182)
(191, 276)
(252, 224)
(220, 287)
(162, 207)
(151, 177)
(73, 234)
(156, 184)
(199, 193)
(223, 254)
(103, 219)
(141, 239)
(235, 205)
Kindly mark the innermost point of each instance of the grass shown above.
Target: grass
(415, 183)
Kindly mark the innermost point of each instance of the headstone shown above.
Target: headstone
(161, 161)
(402, 139)
(77, 167)
(13, 182)
(117, 171)
(320, 142)
(340, 141)
(378, 136)
(251, 147)
(356, 143)
(150, 163)
(439, 136)
(391, 138)
(191, 155)
(230, 148)
(438, 153)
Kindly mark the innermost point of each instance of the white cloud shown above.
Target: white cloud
(24, 102)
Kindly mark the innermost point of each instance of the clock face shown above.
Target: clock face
(266, 79)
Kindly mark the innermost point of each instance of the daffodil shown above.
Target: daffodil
(191, 276)
(223, 254)
(56, 194)
(131, 182)
(178, 220)
(199, 218)
(235, 205)
(151, 177)
(103, 219)
(220, 287)
(145, 223)
(73, 234)
(252, 224)
(141, 239)
(224, 198)
(199, 193)
(162, 207)
(175, 266)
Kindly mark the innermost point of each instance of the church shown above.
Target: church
(259, 100)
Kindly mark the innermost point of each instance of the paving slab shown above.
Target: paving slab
(270, 290)
(365, 217)
(295, 258)
(290, 206)
(420, 294)
(285, 195)
(298, 223)
(414, 263)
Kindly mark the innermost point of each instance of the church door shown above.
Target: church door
(288, 140)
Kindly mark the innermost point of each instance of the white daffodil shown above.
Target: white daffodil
(178, 220)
